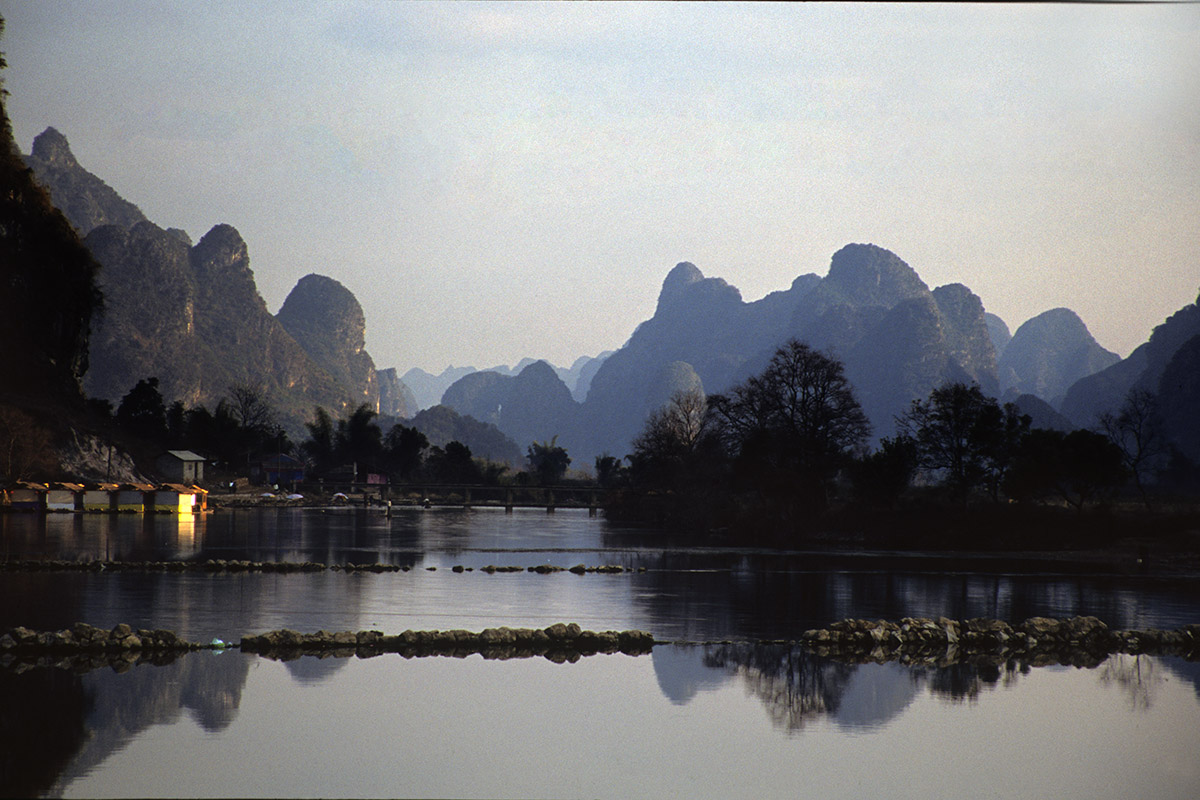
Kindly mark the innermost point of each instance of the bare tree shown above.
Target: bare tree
(248, 402)
(1136, 429)
(670, 438)
(677, 426)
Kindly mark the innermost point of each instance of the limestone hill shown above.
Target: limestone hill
(191, 315)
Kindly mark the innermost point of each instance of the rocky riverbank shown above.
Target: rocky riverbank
(1038, 641)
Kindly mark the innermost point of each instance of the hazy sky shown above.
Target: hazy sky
(496, 181)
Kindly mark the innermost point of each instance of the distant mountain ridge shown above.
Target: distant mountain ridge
(191, 315)
(898, 339)
(429, 390)
(1167, 366)
(395, 398)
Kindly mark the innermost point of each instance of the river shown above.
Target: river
(720, 712)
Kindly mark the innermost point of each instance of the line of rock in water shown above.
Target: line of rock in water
(1038, 641)
(83, 647)
(82, 636)
(234, 565)
(559, 642)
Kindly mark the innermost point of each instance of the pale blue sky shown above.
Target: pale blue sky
(497, 181)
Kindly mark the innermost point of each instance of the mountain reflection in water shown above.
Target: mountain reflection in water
(63, 733)
(59, 727)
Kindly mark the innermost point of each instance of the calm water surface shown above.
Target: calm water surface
(720, 714)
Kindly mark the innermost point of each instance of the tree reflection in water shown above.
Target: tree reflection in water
(797, 687)
(1137, 676)
(794, 685)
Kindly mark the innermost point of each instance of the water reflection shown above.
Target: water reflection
(797, 687)
(58, 727)
(110, 537)
(42, 728)
(685, 594)
(706, 596)
(314, 670)
(682, 673)
(196, 606)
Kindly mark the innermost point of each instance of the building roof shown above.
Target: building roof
(282, 461)
(181, 488)
(184, 455)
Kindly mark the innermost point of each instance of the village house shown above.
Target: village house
(281, 469)
(27, 496)
(181, 466)
(100, 498)
(134, 497)
(176, 498)
(64, 497)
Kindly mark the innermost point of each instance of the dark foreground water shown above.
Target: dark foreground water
(717, 715)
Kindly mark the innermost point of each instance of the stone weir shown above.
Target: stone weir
(221, 565)
(559, 642)
(1038, 641)
(83, 647)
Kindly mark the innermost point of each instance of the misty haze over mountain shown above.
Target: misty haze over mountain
(191, 315)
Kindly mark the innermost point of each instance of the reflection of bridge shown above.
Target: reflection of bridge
(468, 495)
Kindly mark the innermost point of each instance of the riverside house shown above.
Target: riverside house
(64, 497)
(100, 497)
(134, 496)
(175, 498)
(26, 496)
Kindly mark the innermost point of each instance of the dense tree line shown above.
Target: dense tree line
(405, 454)
(784, 446)
(771, 447)
(243, 430)
(240, 431)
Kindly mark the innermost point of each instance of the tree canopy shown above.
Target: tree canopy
(794, 426)
(964, 437)
(548, 461)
